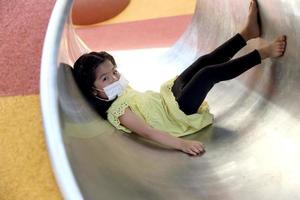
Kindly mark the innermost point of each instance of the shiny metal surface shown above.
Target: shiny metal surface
(253, 148)
(50, 104)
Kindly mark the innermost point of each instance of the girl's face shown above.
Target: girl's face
(106, 74)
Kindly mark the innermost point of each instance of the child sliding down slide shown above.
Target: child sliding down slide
(179, 108)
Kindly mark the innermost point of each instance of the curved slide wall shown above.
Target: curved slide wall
(253, 148)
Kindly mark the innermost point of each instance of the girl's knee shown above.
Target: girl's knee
(189, 111)
(187, 108)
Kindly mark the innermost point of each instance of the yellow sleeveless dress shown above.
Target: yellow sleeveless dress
(160, 110)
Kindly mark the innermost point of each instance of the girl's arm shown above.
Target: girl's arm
(140, 127)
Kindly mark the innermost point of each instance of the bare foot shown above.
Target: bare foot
(252, 28)
(274, 49)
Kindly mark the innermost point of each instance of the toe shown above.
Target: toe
(254, 3)
(284, 37)
(251, 4)
(279, 40)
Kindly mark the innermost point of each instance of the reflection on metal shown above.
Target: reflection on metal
(253, 148)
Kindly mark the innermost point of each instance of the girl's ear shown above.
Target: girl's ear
(94, 91)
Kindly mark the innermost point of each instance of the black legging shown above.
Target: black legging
(192, 85)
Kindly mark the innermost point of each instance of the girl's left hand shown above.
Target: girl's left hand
(192, 147)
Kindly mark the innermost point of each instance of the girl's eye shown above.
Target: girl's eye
(116, 72)
(104, 79)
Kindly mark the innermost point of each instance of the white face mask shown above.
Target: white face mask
(116, 88)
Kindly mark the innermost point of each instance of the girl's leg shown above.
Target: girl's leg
(221, 54)
(191, 96)
(194, 92)
(225, 52)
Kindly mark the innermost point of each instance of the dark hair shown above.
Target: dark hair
(84, 73)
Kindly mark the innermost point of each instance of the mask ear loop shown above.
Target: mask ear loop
(97, 97)
(102, 99)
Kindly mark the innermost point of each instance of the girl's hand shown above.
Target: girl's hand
(140, 127)
(192, 147)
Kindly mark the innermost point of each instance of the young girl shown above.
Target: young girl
(179, 108)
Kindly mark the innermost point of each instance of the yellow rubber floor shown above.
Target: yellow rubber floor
(24, 165)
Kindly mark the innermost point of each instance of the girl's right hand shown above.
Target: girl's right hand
(192, 147)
